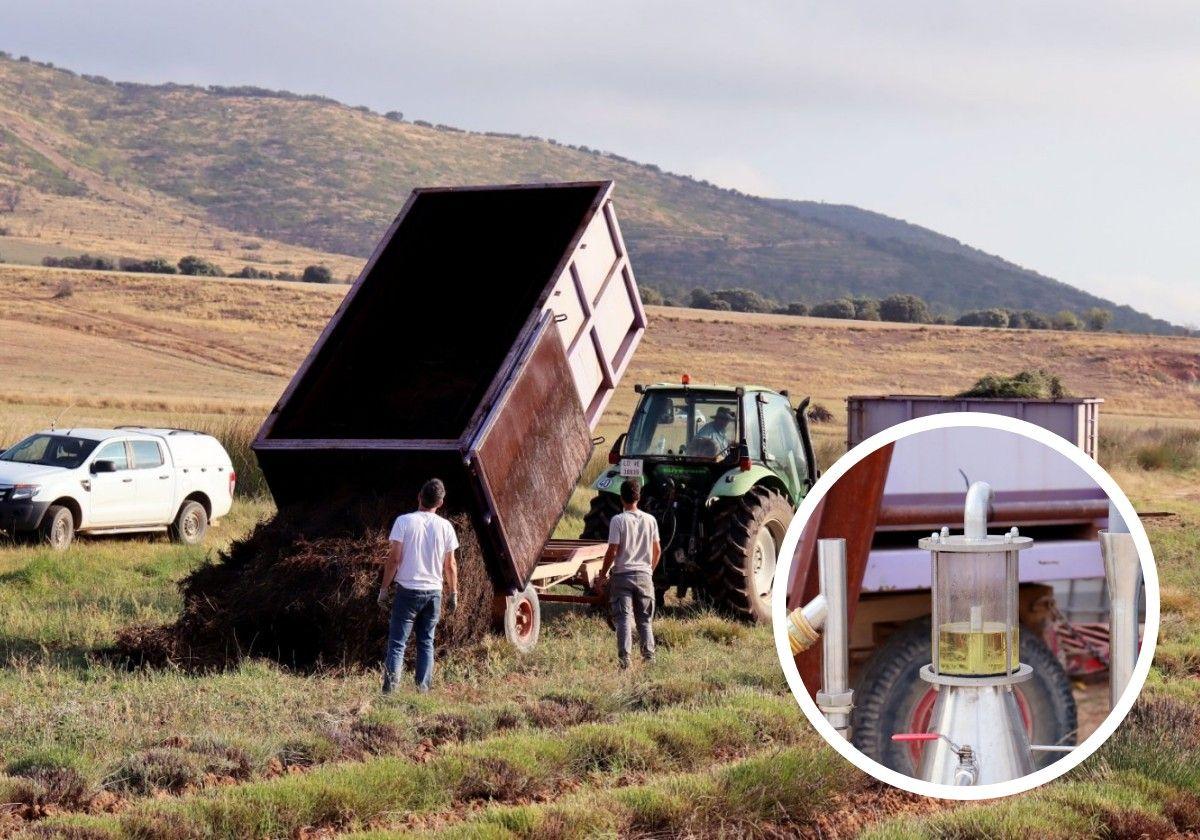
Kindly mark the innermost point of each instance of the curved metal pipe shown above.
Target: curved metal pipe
(976, 509)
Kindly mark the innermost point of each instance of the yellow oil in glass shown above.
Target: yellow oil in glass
(966, 652)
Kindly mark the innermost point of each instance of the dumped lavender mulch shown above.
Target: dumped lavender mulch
(300, 590)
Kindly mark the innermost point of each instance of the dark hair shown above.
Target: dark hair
(433, 493)
(631, 491)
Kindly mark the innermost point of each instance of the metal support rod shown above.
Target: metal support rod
(835, 699)
(1123, 573)
(975, 511)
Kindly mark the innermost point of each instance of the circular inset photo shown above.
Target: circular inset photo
(966, 605)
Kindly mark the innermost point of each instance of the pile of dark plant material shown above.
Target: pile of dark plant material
(1027, 384)
(301, 590)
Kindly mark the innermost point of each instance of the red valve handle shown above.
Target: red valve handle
(916, 736)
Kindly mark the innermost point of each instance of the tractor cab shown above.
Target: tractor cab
(722, 470)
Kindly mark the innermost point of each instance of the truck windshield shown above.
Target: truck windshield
(692, 424)
(50, 451)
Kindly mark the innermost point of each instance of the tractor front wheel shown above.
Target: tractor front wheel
(596, 521)
(747, 533)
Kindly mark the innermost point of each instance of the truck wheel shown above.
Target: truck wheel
(519, 617)
(58, 527)
(745, 549)
(190, 524)
(891, 697)
(603, 508)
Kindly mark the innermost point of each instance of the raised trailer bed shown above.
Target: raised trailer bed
(479, 344)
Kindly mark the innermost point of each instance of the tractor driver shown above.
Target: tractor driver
(717, 429)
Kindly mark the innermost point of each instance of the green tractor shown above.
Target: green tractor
(723, 469)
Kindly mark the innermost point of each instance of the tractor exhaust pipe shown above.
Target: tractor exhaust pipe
(828, 611)
(1123, 573)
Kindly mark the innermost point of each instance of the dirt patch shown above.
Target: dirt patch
(301, 590)
(854, 811)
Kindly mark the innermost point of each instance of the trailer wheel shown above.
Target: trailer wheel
(603, 508)
(745, 549)
(519, 616)
(891, 697)
(58, 527)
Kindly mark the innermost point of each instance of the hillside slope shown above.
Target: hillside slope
(314, 173)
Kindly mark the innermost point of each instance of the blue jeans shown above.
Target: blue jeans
(419, 607)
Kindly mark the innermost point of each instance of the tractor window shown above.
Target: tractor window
(785, 450)
(692, 424)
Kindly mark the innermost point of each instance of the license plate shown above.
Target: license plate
(631, 467)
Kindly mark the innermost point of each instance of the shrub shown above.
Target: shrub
(317, 274)
(154, 265)
(82, 261)
(249, 272)
(199, 267)
(793, 309)
(394, 116)
(1028, 384)
(64, 290)
(1097, 318)
(744, 300)
(651, 296)
(840, 308)
(904, 309)
(1066, 320)
(1033, 320)
(984, 318)
(865, 308)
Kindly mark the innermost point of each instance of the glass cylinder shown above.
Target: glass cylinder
(975, 631)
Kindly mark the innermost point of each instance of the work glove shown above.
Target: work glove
(451, 602)
(385, 599)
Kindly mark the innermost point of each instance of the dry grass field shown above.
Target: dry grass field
(558, 744)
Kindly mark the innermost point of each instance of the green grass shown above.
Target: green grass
(787, 786)
(1154, 448)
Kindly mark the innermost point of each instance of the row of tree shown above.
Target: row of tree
(190, 265)
(899, 308)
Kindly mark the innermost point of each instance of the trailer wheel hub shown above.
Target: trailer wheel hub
(523, 619)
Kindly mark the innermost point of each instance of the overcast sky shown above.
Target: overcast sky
(1064, 136)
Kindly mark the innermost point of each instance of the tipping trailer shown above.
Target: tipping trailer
(915, 490)
(479, 344)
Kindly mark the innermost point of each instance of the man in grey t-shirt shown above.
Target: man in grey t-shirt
(633, 552)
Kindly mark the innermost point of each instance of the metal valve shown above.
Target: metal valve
(967, 771)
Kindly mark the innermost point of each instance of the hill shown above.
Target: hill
(288, 171)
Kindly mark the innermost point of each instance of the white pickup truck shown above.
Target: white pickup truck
(54, 484)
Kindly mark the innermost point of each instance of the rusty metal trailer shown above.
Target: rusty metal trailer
(480, 344)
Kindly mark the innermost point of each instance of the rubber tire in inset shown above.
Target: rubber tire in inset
(736, 528)
(58, 528)
(600, 514)
(190, 525)
(522, 619)
(890, 688)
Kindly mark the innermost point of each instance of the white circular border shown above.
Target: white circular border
(1149, 575)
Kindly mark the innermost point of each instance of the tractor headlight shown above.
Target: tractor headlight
(24, 492)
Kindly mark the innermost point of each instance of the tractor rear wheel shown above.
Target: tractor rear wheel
(744, 550)
(603, 508)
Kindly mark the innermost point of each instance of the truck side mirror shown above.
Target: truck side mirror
(103, 467)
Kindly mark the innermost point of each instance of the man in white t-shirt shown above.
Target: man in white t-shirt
(421, 563)
(633, 553)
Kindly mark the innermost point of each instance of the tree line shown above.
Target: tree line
(190, 265)
(898, 308)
